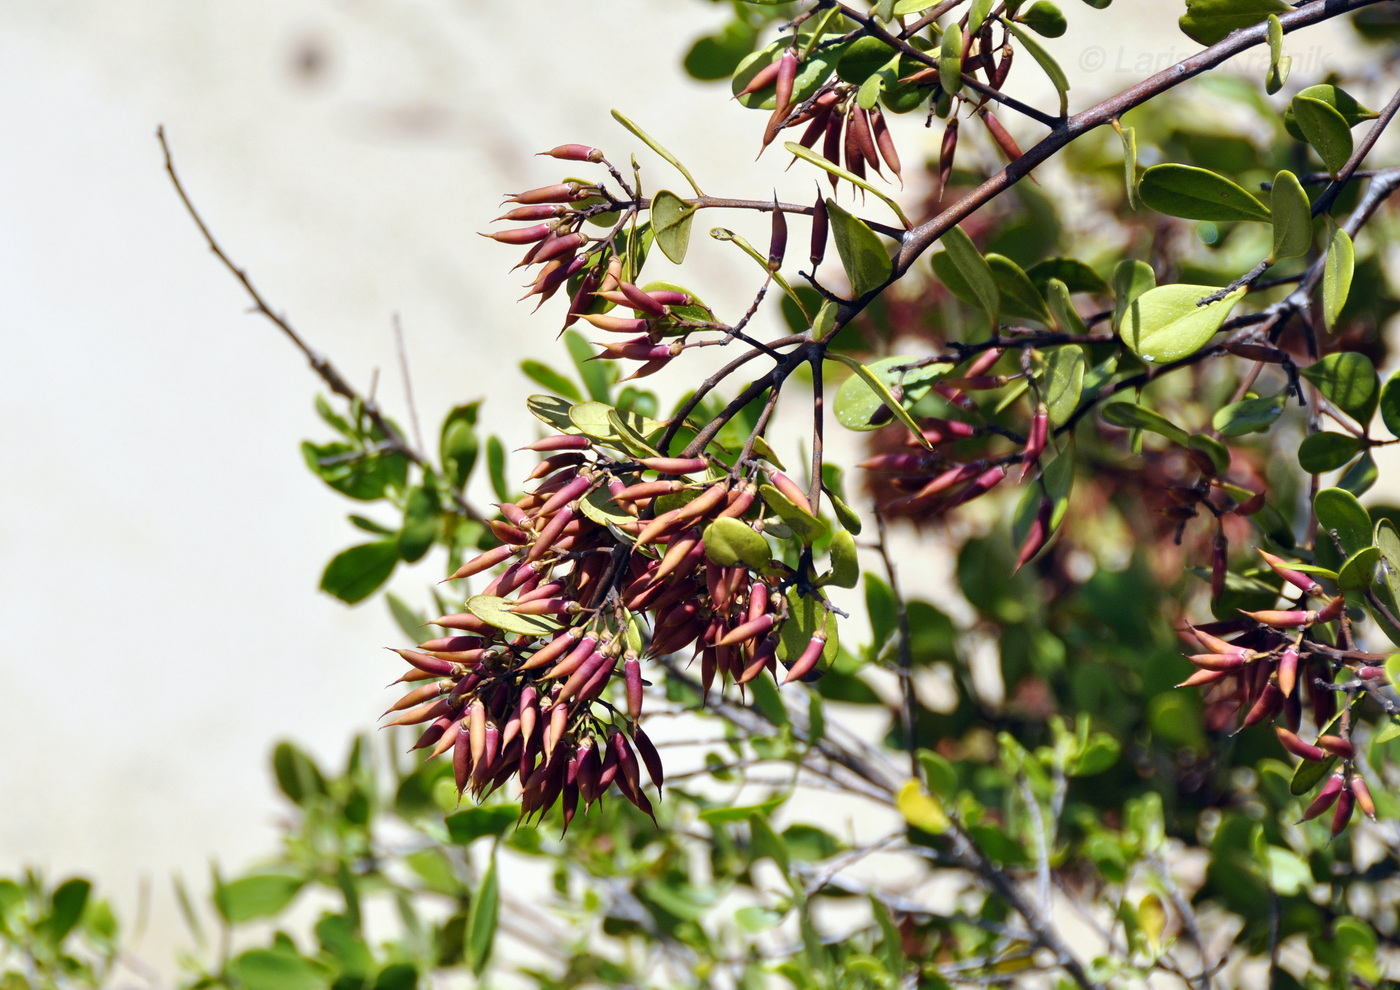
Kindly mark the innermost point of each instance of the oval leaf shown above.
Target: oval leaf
(1249, 415)
(355, 574)
(1359, 570)
(1292, 215)
(1349, 381)
(1325, 129)
(671, 219)
(1165, 324)
(1341, 515)
(974, 270)
(863, 254)
(496, 612)
(1198, 194)
(731, 542)
(1322, 452)
(845, 568)
(1337, 270)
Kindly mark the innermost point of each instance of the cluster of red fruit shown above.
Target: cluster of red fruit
(608, 564)
(1263, 675)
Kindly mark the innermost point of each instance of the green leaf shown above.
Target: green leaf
(1131, 416)
(1249, 415)
(1130, 166)
(1359, 570)
(1047, 64)
(268, 969)
(481, 920)
(845, 568)
(458, 444)
(1308, 774)
(1362, 474)
(1209, 21)
(1066, 316)
(1045, 19)
(1218, 453)
(1339, 513)
(1062, 382)
(1336, 98)
(730, 542)
(1325, 129)
(597, 376)
(1019, 296)
(974, 269)
(1077, 276)
(1292, 214)
(767, 843)
(352, 472)
(863, 255)
(496, 612)
(260, 895)
(1349, 381)
(950, 60)
(421, 521)
(1130, 280)
(671, 219)
(1322, 452)
(812, 157)
(470, 824)
(716, 56)
(939, 775)
(1387, 588)
(814, 69)
(805, 526)
(652, 143)
(67, 902)
(1165, 324)
(806, 615)
(1337, 269)
(1390, 404)
(848, 408)
(1277, 73)
(496, 467)
(355, 574)
(297, 775)
(552, 411)
(544, 375)
(1198, 194)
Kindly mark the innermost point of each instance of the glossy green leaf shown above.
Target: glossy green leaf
(471, 824)
(1198, 194)
(1361, 476)
(1249, 415)
(851, 407)
(355, 574)
(553, 411)
(1019, 296)
(814, 69)
(1131, 416)
(1292, 216)
(950, 60)
(1209, 21)
(1341, 515)
(268, 969)
(543, 374)
(1308, 774)
(1218, 453)
(1062, 382)
(1336, 98)
(1044, 18)
(845, 567)
(1390, 404)
(806, 615)
(1067, 318)
(731, 542)
(1077, 276)
(260, 895)
(808, 155)
(863, 254)
(1322, 452)
(594, 419)
(297, 775)
(1047, 64)
(1387, 587)
(352, 472)
(1337, 269)
(1359, 569)
(1165, 324)
(66, 907)
(1130, 280)
(1325, 129)
(671, 219)
(496, 612)
(805, 526)
(458, 444)
(421, 522)
(716, 56)
(1348, 380)
(655, 146)
(974, 269)
(481, 920)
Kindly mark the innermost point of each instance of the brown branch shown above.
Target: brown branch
(327, 372)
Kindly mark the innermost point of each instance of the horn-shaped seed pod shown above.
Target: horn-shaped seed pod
(632, 674)
(1337, 746)
(1341, 817)
(1325, 797)
(1299, 580)
(820, 227)
(777, 239)
(947, 150)
(574, 153)
(1298, 747)
(651, 759)
(1362, 793)
(483, 562)
(807, 661)
(884, 141)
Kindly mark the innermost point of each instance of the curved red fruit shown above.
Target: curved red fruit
(1325, 797)
(807, 662)
(1298, 747)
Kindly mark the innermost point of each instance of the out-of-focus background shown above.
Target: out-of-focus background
(160, 538)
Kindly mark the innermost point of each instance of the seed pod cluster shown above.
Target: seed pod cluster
(1274, 671)
(541, 676)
